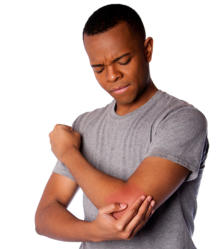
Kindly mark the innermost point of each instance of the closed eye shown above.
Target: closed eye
(124, 62)
(99, 70)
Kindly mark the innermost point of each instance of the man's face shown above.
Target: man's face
(118, 59)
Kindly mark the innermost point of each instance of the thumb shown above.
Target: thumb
(114, 207)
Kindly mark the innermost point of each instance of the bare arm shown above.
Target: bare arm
(155, 176)
(52, 218)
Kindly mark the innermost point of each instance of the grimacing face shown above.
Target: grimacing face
(120, 62)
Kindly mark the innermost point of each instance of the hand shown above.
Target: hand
(63, 138)
(106, 227)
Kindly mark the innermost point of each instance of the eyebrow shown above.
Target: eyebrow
(115, 60)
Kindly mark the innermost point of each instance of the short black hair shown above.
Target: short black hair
(110, 15)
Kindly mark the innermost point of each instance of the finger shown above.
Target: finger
(76, 133)
(63, 126)
(137, 224)
(114, 207)
(140, 216)
(66, 127)
(150, 210)
(146, 207)
(132, 211)
(136, 230)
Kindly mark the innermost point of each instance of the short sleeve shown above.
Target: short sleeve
(59, 167)
(181, 137)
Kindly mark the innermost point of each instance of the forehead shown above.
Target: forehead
(108, 45)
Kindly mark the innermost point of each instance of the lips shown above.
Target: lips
(118, 88)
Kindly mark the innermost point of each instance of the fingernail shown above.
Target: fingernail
(152, 203)
(123, 205)
(142, 197)
(149, 198)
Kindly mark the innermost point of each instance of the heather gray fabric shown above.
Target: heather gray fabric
(165, 127)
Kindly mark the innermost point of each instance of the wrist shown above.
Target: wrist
(93, 231)
(68, 155)
(85, 231)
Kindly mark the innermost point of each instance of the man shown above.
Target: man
(138, 160)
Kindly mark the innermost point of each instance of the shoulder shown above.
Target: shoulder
(177, 112)
(180, 134)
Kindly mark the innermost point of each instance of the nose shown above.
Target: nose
(113, 74)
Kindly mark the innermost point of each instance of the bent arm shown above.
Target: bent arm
(52, 219)
(155, 176)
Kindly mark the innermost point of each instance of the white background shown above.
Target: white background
(45, 78)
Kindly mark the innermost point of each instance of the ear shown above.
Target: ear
(148, 47)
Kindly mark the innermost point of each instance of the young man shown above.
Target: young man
(143, 152)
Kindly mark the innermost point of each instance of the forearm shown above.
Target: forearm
(56, 222)
(99, 187)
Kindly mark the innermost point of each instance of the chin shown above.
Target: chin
(128, 99)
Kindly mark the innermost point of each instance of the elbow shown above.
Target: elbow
(38, 225)
(37, 230)
(128, 194)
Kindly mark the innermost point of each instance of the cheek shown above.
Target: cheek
(103, 85)
(100, 80)
(136, 71)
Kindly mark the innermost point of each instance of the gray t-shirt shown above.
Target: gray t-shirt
(165, 127)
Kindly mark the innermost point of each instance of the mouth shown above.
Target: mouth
(120, 89)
